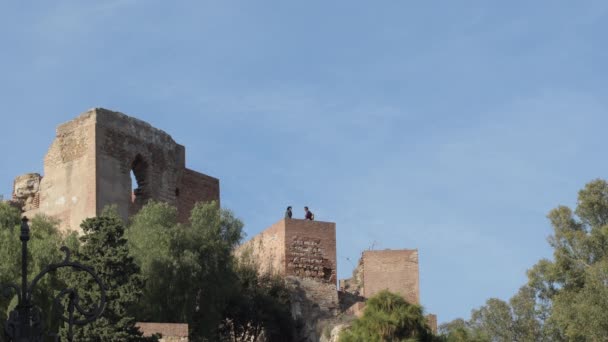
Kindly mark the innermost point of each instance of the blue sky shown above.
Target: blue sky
(451, 127)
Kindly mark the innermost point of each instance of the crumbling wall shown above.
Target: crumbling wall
(304, 253)
(310, 249)
(68, 188)
(89, 165)
(26, 192)
(354, 285)
(314, 306)
(292, 247)
(125, 145)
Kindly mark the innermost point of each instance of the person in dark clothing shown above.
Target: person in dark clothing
(309, 214)
(288, 213)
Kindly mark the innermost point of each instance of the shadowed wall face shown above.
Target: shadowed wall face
(90, 162)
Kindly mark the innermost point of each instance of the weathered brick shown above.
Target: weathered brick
(89, 164)
(293, 247)
(393, 270)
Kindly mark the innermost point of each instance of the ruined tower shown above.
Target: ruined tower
(89, 166)
(395, 270)
(293, 247)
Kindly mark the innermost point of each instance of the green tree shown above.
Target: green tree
(259, 306)
(43, 249)
(9, 216)
(388, 317)
(517, 320)
(151, 235)
(459, 330)
(573, 284)
(106, 251)
(566, 298)
(187, 267)
(495, 319)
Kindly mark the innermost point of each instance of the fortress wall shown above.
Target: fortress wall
(194, 187)
(89, 165)
(126, 144)
(67, 190)
(393, 270)
(267, 249)
(310, 249)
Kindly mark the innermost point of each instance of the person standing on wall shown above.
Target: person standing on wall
(309, 214)
(288, 213)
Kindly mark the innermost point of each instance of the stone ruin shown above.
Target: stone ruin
(89, 166)
(389, 269)
(393, 270)
(304, 254)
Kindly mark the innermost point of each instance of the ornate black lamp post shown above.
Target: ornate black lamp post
(25, 323)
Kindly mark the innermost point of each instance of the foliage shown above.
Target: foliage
(566, 298)
(9, 216)
(575, 281)
(159, 270)
(259, 307)
(106, 251)
(516, 320)
(388, 317)
(150, 235)
(43, 249)
(459, 330)
(187, 268)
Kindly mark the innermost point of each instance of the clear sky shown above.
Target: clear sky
(452, 127)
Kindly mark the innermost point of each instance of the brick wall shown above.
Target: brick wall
(89, 163)
(431, 320)
(267, 249)
(292, 247)
(394, 270)
(125, 144)
(310, 249)
(195, 187)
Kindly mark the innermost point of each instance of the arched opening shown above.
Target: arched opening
(139, 183)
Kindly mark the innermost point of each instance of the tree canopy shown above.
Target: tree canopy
(566, 298)
(187, 267)
(43, 249)
(105, 250)
(191, 275)
(259, 307)
(155, 269)
(389, 317)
